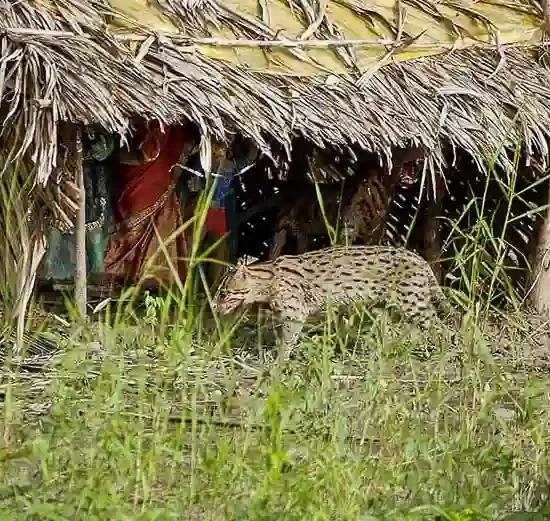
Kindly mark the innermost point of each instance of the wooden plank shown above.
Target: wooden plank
(81, 297)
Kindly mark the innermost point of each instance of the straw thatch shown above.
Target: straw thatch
(62, 61)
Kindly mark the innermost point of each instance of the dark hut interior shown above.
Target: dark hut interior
(408, 208)
(412, 209)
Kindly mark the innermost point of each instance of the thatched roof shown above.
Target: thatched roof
(376, 74)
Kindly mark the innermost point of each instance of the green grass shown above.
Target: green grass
(176, 418)
(358, 429)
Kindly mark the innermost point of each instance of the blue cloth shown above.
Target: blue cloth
(224, 196)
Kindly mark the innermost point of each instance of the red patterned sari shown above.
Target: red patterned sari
(146, 200)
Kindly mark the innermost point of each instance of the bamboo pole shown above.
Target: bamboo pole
(539, 292)
(81, 283)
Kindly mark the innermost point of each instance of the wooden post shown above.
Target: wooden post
(81, 283)
(539, 292)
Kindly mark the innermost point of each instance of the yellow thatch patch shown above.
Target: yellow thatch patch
(379, 31)
(144, 13)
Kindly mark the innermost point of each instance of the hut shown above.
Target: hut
(461, 83)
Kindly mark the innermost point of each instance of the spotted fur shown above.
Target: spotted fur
(364, 218)
(296, 288)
